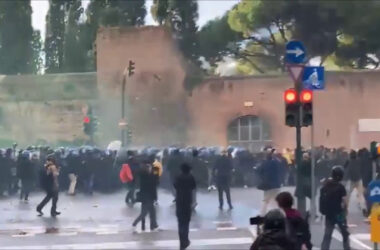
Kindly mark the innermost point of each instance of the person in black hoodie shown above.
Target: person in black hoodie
(274, 236)
(185, 186)
(26, 173)
(147, 196)
(333, 204)
(223, 172)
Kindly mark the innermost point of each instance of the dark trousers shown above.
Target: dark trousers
(329, 228)
(89, 184)
(183, 216)
(26, 187)
(147, 207)
(130, 198)
(224, 188)
(53, 195)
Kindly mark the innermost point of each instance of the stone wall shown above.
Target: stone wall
(156, 108)
(46, 108)
(349, 96)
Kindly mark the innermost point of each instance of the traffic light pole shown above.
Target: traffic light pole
(123, 109)
(301, 200)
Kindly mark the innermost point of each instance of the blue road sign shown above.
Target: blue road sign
(295, 52)
(313, 78)
(374, 191)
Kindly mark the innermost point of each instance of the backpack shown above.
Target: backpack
(126, 174)
(329, 199)
(298, 230)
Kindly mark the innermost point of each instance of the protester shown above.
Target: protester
(223, 172)
(174, 168)
(354, 176)
(304, 187)
(274, 236)
(185, 186)
(297, 227)
(333, 205)
(26, 174)
(49, 180)
(147, 196)
(270, 180)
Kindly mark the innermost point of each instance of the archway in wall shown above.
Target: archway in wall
(250, 132)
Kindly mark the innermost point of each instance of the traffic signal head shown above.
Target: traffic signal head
(290, 96)
(375, 149)
(306, 98)
(86, 119)
(131, 68)
(291, 107)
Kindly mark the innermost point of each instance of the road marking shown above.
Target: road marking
(67, 234)
(22, 235)
(253, 231)
(357, 243)
(193, 229)
(226, 228)
(222, 222)
(136, 244)
(107, 232)
(362, 236)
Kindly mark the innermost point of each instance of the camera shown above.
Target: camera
(257, 220)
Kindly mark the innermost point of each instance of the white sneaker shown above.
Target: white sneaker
(245, 186)
(157, 229)
(213, 187)
(134, 229)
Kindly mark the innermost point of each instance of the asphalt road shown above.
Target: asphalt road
(103, 221)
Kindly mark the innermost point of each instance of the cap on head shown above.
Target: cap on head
(274, 219)
(337, 173)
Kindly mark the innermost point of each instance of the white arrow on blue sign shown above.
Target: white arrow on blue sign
(313, 78)
(295, 52)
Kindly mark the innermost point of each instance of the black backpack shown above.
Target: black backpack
(329, 200)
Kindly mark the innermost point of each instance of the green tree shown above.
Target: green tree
(216, 39)
(37, 62)
(55, 33)
(74, 53)
(130, 12)
(16, 37)
(160, 11)
(269, 26)
(183, 21)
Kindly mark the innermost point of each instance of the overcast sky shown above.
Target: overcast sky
(208, 9)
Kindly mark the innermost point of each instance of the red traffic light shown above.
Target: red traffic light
(306, 96)
(86, 119)
(290, 96)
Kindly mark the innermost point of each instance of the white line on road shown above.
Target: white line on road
(362, 236)
(357, 243)
(22, 235)
(67, 234)
(136, 244)
(107, 232)
(226, 228)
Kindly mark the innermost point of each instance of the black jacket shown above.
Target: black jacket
(223, 167)
(273, 240)
(148, 186)
(184, 185)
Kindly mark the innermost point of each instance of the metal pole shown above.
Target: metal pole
(313, 186)
(301, 201)
(123, 109)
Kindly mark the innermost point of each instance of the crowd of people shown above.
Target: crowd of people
(182, 171)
